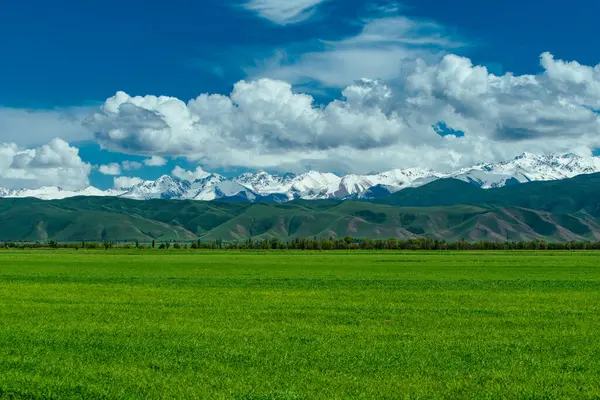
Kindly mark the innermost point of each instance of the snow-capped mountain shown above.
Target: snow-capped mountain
(398, 179)
(527, 168)
(218, 187)
(263, 182)
(382, 184)
(165, 187)
(312, 185)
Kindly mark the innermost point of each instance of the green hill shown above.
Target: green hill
(446, 209)
(581, 193)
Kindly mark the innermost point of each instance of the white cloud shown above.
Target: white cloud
(54, 164)
(283, 12)
(110, 169)
(263, 123)
(568, 77)
(155, 161)
(190, 176)
(30, 128)
(131, 165)
(386, 48)
(126, 182)
(506, 107)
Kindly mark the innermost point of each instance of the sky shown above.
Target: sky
(108, 93)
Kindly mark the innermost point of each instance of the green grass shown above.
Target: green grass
(128, 324)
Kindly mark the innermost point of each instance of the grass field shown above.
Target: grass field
(299, 325)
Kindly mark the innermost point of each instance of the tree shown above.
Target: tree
(275, 243)
(392, 244)
(326, 244)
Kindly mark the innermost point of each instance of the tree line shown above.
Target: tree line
(314, 244)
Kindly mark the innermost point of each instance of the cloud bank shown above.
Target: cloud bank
(54, 164)
(374, 125)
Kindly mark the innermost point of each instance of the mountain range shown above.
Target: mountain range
(270, 188)
(449, 209)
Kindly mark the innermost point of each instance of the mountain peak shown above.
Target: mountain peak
(166, 178)
(570, 155)
(527, 155)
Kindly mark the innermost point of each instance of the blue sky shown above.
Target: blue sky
(62, 62)
(80, 53)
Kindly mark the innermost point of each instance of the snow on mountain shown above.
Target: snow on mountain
(527, 168)
(402, 178)
(203, 189)
(353, 185)
(310, 185)
(359, 186)
(572, 165)
(215, 187)
(165, 187)
(263, 182)
(262, 186)
(315, 185)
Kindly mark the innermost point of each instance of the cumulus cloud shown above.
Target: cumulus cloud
(30, 128)
(190, 176)
(155, 161)
(110, 169)
(283, 12)
(510, 107)
(131, 165)
(126, 182)
(374, 125)
(54, 164)
(569, 77)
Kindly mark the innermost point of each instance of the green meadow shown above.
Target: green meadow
(288, 325)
